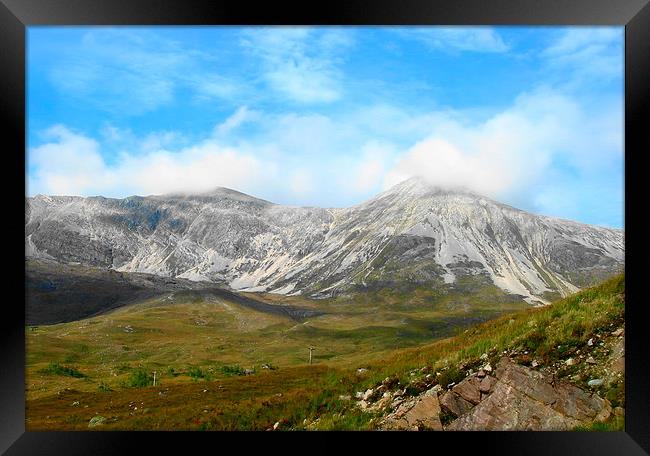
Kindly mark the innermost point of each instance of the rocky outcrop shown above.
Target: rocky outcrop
(417, 414)
(515, 398)
(452, 403)
(525, 399)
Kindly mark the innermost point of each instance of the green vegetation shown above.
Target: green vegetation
(386, 341)
(140, 378)
(57, 369)
(233, 370)
(616, 423)
(196, 372)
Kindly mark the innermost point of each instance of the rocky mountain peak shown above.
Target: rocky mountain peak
(420, 186)
(412, 235)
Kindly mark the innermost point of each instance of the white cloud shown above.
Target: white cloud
(371, 167)
(240, 116)
(585, 55)
(67, 165)
(71, 164)
(298, 62)
(158, 140)
(515, 150)
(301, 182)
(134, 72)
(545, 139)
(451, 39)
(577, 39)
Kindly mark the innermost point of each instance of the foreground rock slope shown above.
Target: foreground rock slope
(512, 397)
(524, 399)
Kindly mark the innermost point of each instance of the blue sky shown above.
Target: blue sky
(330, 116)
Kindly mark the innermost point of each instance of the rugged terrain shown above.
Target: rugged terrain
(198, 311)
(558, 367)
(411, 236)
(56, 293)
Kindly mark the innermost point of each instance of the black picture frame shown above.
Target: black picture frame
(17, 15)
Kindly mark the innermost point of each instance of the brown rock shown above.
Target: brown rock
(524, 399)
(454, 404)
(468, 390)
(390, 382)
(422, 413)
(617, 358)
(486, 384)
(618, 332)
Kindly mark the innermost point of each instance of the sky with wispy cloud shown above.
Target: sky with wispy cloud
(330, 116)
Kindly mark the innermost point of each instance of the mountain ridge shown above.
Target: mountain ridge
(413, 234)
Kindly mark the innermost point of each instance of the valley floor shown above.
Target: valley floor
(222, 366)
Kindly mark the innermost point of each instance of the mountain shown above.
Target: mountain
(412, 235)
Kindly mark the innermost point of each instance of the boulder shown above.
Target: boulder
(96, 421)
(422, 413)
(390, 382)
(525, 399)
(454, 404)
(618, 332)
(436, 389)
(486, 384)
(468, 389)
(383, 403)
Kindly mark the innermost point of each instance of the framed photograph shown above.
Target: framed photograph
(397, 216)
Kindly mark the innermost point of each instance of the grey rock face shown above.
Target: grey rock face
(411, 235)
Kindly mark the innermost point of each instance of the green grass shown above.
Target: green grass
(140, 378)
(232, 370)
(167, 339)
(616, 423)
(57, 369)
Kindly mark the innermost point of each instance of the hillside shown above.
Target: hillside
(97, 373)
(411, 236)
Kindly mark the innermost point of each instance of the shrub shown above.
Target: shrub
(57, 369)
(579, 330)
(616, 394)
(104, 388)
(451, 375)
(140, 378)
(233, 370)
(534, 340)
(195, 372)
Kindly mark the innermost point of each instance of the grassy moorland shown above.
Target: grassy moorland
(101, 368)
